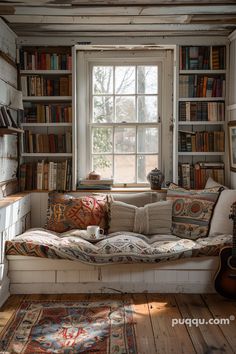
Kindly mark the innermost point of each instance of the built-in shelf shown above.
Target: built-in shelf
(210, 72)
(46, 72)
(190, 99)
(47, 98)
(201, 122)
(46, 154)
(215, 153)
(10, 131)
(46, 124)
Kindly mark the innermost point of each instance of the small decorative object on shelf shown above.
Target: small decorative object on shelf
(155, 178)
(94, 175)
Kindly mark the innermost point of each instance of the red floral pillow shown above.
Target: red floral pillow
(66, 212)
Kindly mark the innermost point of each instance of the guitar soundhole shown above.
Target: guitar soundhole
(232, 262)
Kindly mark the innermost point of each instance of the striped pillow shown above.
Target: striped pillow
(192, 210)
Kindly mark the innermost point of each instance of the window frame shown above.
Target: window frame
(87, 58)
(131, 62)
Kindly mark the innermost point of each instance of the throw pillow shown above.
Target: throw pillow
(137, 199)
(221, 223)
(154, 218)
(211, 183)
(192, 210)
(66, 212)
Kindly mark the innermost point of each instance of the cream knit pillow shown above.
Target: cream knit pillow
(154, 218)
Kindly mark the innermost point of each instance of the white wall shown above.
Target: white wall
(232, 92)
(8, 85)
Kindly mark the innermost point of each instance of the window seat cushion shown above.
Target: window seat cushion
(119, 247)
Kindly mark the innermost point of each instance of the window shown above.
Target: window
(124, 121)
(121, 97)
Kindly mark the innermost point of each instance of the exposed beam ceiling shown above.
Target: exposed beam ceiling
(119, 17)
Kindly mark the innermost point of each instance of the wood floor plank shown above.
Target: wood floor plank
(223, 309)
(206, 338)
(8, 309)
(168, 339)
(143, 326)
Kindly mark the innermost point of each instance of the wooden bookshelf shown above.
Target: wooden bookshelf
(46, 80)
(201, 80)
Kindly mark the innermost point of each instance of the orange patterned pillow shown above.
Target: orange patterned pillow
(66, 212)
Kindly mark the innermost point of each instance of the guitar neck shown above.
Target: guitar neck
(234, 237)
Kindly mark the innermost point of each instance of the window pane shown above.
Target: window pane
(148, 139)
(102, 140)
(103, 165)
(125, 79)
(102, 79)
(146, 163)
(102, 109)
(124, 169)
(125, 139)
(147, 109)
(125, 109)
(147, 79)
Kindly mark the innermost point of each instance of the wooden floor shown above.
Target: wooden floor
(153, 321)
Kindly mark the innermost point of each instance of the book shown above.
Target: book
(104, 181)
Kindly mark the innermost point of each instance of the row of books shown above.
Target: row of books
(45, 61)
(41, 86)
(6, 118)
(51, 113)
(102, 184)
(201, 86)
(195, 176)
(202, 57)
(46, 175)
(201, 111)
(43, 143)
(202, 141)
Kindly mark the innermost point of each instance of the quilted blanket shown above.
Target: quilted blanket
(119, 247)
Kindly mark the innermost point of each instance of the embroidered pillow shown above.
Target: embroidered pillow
(66, 212)
(192, 210)
(154, 218)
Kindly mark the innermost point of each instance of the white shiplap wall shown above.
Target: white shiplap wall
(8, 85)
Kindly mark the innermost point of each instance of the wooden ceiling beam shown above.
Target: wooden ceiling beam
(125, 11)
(15, 19)
(116, 27)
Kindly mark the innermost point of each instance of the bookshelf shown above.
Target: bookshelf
(200, 121)
(46, 147)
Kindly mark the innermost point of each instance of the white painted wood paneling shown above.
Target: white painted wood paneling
(7, 40)
(8, 73)
(193, 275)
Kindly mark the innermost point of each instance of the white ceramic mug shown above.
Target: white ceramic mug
(94, 232)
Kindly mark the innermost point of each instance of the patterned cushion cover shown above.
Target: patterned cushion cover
(66, 212)
(192, 210)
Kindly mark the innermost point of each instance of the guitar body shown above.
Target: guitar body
(225, 280)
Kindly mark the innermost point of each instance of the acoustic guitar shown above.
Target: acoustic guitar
(225, 280)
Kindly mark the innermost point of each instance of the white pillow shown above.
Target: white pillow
(154, 218)
(220, 222)
(211, 183)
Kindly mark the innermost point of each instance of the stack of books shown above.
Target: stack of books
(36, 85)
(37, 60)
(51, 143)
(47, 113)
(6, 118)
(46, 175)
(101, 184)
(201, 111)
(202, 141)
(195, 176)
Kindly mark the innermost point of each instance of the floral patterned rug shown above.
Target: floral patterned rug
(104, 327)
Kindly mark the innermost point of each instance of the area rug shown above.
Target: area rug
(104, 327)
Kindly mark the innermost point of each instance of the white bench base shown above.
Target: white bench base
(32, 275)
